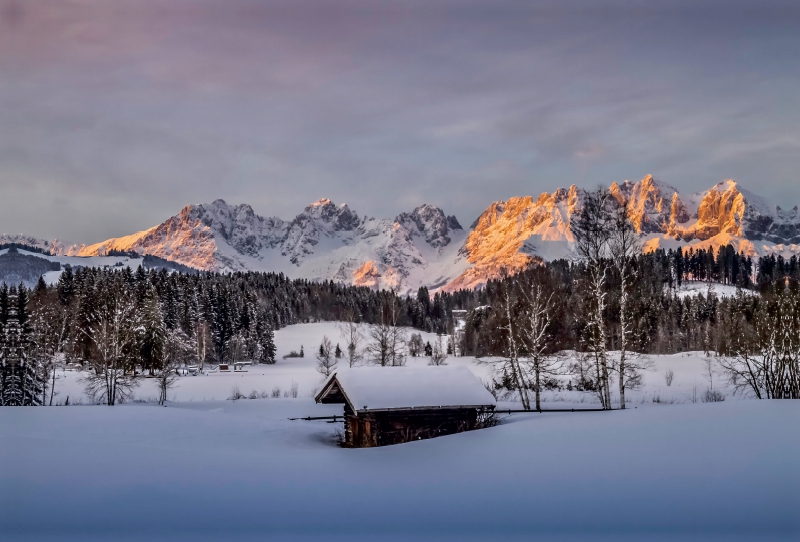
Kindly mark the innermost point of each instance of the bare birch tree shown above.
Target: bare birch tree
(201, 340)
(591, 229)
(624, 247)
(535, 329)
(353, 338)
(177, 348)
(511, 365)
(326, 362)
(388, 340)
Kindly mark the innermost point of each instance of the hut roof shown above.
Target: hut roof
(404, 388)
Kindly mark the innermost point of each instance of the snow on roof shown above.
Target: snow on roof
(388, 388)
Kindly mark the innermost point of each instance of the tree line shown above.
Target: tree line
(120, 324)
(610, 305)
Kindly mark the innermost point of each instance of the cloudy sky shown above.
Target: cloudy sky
(114, 115)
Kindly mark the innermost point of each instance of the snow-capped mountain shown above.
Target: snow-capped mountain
(426, 247)
(509, 234)
(324, 242)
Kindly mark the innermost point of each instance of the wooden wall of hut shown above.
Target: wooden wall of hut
(370, 429)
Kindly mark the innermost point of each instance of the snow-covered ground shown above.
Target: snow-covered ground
(693, 288)
(241, 470)
(258, 378)
(690, 378)
(207, 468)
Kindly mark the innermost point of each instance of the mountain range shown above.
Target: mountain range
(427, 247)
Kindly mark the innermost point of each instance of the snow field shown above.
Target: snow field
(202, 469)
(241, 470)
(693, 288)
(689, 380)
(259, 378)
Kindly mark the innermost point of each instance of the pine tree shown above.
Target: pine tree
(154, 331)
(41, 287)
(66, 286)
(84, 317)
(267, 354)
(21, 385)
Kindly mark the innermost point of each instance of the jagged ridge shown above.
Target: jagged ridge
(426, 247)
(509, 235)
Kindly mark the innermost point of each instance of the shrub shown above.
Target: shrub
(236, 394)
(713, 396)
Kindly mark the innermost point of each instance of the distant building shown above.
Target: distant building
(459, 315)
(399, 404)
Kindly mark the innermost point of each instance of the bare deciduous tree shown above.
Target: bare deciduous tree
(202, 340)
(535, 328)
(763, 356)
(326, 362)
(624, 247)
(510, 366)
(591, 229)
(114, 333)
(415, 345)
(388, 340)
(237, 348)
(353, 338)
(177, 348)
(439, 354)
(708, 371)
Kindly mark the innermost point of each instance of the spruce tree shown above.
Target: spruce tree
(41, 287)
(267, 347)
(85, 315)
(21, 384)
(66, 287)
(154, 331)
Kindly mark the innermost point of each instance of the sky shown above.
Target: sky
(115, 115)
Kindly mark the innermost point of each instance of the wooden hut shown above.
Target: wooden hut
(391, 405)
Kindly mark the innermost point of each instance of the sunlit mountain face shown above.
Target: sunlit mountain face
(426, 247)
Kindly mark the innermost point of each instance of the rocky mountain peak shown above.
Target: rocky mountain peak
(339, 217)
(650, 204)
(721, 210)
